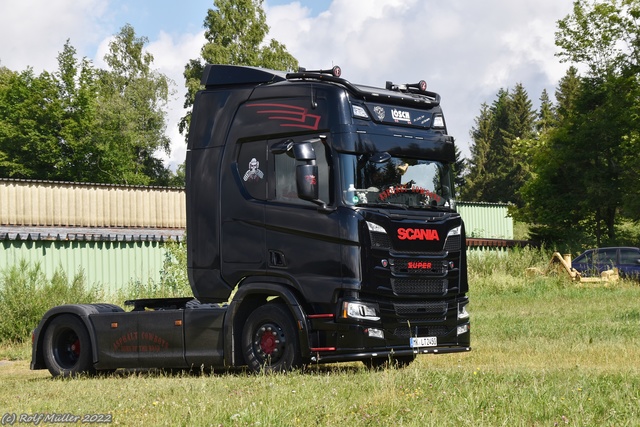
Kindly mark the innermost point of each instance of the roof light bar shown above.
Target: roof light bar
(420, 86)
(336, 71)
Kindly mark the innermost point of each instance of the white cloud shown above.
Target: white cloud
(466, 51)
(170, 55)
(33, 32)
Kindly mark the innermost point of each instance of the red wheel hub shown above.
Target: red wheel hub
(75, 347)
(268, 341)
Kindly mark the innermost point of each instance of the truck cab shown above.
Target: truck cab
(334, 200)
(321, 227)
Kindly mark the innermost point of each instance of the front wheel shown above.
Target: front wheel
(67, 347)
(270, 340)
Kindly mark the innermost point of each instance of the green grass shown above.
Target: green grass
(545, 352)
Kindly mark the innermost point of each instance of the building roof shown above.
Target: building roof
(91, 234)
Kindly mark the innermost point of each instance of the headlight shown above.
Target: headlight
(463, 329)
(358, 310)
(454, 231)
(375, 227)
(462, 312)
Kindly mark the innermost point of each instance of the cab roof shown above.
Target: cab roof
(226, 75)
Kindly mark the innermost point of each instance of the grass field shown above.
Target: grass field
(545, 352)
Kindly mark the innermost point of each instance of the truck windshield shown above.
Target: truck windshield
(380, 179)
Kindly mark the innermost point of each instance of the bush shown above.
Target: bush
(174, 280)
(26, 294)
(512, 262)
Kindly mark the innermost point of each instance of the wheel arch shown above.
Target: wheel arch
(251, 296)
(81, 311)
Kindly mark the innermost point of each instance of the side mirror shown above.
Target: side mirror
(307, 173)
(304, 151)
(282, 146)
(307, 182)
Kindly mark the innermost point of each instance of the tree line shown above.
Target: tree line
(81, 123)
(86, 124)
(571, 168)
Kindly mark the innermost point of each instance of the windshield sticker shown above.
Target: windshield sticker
(311, 179)
(254, 173)
(414, 189)
(401, 116)
(423, 120)
(379, 111)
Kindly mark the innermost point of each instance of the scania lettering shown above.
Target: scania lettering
(321, 228)
(417, 234)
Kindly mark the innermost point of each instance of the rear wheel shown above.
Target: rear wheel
(270, 340)
(67, 347)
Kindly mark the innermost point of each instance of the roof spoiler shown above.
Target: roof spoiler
(222, 75)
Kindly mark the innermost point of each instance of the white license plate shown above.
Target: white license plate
(423, 342)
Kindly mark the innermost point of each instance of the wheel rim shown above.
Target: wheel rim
(269, 342)
(66, 348)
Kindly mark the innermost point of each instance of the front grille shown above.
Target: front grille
(409, 286)
(380, 240)
(418, 266)
(420, 308)
(418, 253)
(420, 331)
(452, 244)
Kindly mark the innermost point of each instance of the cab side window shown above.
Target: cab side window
(285, 176)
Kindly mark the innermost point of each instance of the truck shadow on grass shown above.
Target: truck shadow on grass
(235, 372)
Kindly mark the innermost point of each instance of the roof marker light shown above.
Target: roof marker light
(360, 112)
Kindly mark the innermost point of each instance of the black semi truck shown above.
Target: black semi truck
(321, 227)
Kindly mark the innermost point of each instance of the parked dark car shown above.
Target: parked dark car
(595, 261)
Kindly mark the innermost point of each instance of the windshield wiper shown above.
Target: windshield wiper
(382, 205)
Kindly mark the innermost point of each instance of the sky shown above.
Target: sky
(465, 50)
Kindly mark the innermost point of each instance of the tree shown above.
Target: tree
(567, 93)
(459, 171)
(76, 99)
(575, 196)
(29, 125)
(79, 123)
(547, 115)
(587, 176)
(603, 35)
(132, 100)
(519, 139)
(481, 134)
(235, 33)
(502, 139)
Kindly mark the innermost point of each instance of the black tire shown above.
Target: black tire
(398, 362)
(67, 347)
(270, 341)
